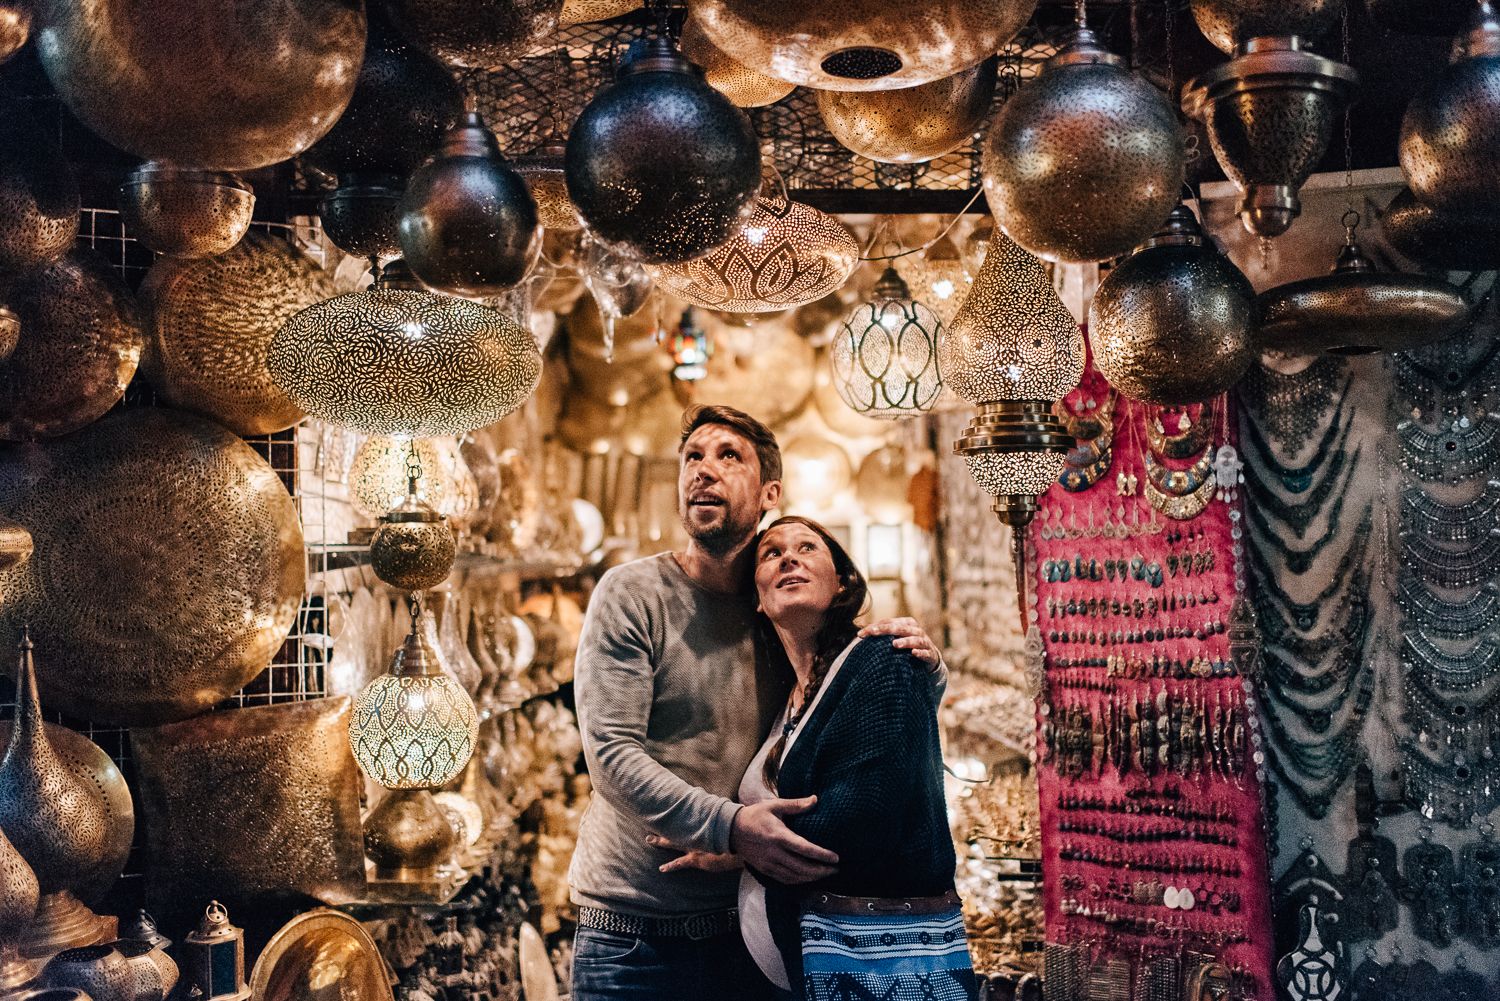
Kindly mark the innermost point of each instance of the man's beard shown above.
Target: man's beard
(723, 536)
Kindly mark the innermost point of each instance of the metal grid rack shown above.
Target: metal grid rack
(296, 672)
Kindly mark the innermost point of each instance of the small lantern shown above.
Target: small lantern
(691, 349)
(213, 957)
(885, 356)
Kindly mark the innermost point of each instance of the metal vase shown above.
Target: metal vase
(1086, 161)
(660, 164)
(468, 225)
(913, 124)
(1452, 128)
(1270, 114)
(1172, 322)
(1230, 24)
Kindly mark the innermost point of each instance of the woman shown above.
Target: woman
(859, 732)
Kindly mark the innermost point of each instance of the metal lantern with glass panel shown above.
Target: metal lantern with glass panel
(885, 353)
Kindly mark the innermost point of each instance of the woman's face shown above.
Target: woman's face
(794, 573)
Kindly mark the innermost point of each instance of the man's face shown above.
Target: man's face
(719, 493)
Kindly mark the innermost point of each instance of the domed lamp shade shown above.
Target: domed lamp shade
(468, 224)
(1013, 350)
(1084, 162)
(396, 359)
(477, 34)
(1270, 113)
(186, 213)
(1452, 127)
(1357, 310)
(913, 124)
(745, 87)
(659, 163)
(379, 474)
(885, 355)
(862, 44)
(1172, 322)
(941, 280)
(786, 254)
(415, 727)
(1231, 24)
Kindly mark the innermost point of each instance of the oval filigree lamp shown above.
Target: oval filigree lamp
(885, 355)
(396, 359)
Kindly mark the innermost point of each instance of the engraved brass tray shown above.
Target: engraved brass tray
(168, 565)
(324, 954)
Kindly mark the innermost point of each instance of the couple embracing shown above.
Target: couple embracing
(768, 818)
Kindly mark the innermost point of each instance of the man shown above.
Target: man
(674, 700)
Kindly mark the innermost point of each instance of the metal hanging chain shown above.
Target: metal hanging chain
(1348, 122)
(923, 247)
(1081, 13)
(413, 467)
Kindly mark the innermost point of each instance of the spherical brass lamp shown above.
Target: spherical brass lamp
(745, 87)
(913, 124)
(186, 213)
(413, 548)
(396, 359)
(1452, 128)
(885, 355)
(1172, 322)
(415, 727)
(941, 279)
(1084, 162)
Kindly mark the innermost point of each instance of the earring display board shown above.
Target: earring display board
(1153, 830)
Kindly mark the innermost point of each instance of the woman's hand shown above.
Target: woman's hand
(910, 636)
(694, 859)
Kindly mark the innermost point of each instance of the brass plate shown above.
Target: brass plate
(211, 324)
(254, 807)
(168, 565)
(322, 953)
(88, 761)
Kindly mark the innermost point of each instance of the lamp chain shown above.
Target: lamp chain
(1348, 120)
(1018, 553)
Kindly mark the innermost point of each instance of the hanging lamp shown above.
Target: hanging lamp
(745, 87)
(941, 279)
(477, 34)
(1356, 309)
(396, 359)
(1084, 162)
(1172, 322)
(379, 477)
(1231, 24)
(1452, 128)
(186, 213)
(912, 124)
(413, 547)
(884, 356)
(468, 223)
(785, 254)
(542, 170)
(660, 164)
(1452, 241)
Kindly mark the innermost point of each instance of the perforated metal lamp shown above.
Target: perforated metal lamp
(415, 727)
(885, 354)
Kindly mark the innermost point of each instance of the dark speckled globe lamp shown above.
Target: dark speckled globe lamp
(660, 165)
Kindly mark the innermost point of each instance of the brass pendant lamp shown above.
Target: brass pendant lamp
(1452, 241)
(912, 124)
(186, 213)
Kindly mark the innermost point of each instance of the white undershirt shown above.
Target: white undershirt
(755, 927)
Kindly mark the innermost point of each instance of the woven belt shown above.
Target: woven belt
(696, 926)
(832, 903)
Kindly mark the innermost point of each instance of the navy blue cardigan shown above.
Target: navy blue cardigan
(869, 751)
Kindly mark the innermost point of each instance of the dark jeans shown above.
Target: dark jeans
(608, 966)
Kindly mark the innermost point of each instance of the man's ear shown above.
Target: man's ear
(770, 495)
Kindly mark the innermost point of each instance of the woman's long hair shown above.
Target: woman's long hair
(836, 632)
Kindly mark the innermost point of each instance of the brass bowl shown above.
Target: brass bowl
(861, 44)
(322, 953)
(80, 344)
(211, 323)
(88, 762)
(361, 219)
(192, 564)
(186, 213)
(211, 84)
(913, 124)
(744, 87)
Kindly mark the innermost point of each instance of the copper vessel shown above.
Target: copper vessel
(744, 87)
(660, 165)
(15, 26)
(80, 344)
(913, 124)
(211, 324)
(1270, 114)
(477, 34)
(99, 971)
(361, 218)
(408, 836)
(1455, 241)
(38, 193)
(1172, 322)
(320, 953)
(258, 805)
(199, 619)
(468, 225)
(861, 44)
(1452, 127)
(1357, 310)
(1230, 24)
(460, 365)
(210, 84)
(1086, 161)
(186, 213)
(403, 103)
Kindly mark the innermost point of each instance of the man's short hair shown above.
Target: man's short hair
(766, 450)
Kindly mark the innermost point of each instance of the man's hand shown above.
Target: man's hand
(910, 636)
(762, 839)
(694, 859)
